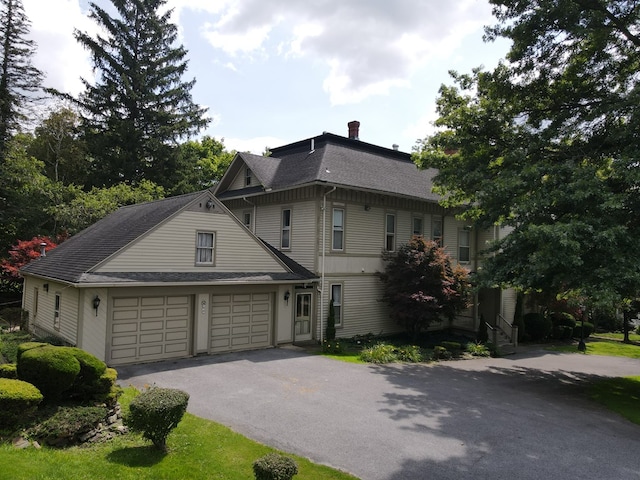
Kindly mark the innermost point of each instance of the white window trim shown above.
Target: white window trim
(202, 247)
(435, 219)
(244, 219)
(284, 228)
(333, 229)
(461, 246)
(57, 311)
(338, 318)
(413, 225)
(248, 177)
(388, 234)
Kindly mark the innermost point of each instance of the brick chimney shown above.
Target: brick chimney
(354, 130)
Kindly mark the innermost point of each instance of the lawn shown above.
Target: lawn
(198, 449)
(622, 395)
(597, 346)
(634, 337)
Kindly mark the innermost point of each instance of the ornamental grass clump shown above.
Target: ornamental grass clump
(274, 466)
(155, 412)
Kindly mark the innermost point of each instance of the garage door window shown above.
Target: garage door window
(205, 248)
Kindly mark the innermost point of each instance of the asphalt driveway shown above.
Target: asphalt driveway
(520, 417)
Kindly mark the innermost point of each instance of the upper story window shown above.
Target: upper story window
(336, 296)
(338, 229)
(285, 237)
(390, 232)
(417, 226)
(248, 175)
(246, 219)
(436, 230)
(205, 247)
(464, 246)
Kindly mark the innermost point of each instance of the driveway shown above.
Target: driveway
(521, 417)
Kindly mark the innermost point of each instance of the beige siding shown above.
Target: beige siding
(509, 298)
(172, 246)
(239, 180)
(43, 320)
(92, 333)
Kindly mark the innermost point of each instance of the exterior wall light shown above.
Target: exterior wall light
(96, 303)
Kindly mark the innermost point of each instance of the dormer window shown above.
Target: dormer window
(247, 177)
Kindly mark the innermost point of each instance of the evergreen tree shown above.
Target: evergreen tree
(19, 79)
(139, 108)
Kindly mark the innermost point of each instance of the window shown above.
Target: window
(246, 218)
(285, 238)
(35, 302)
(247, 177)
(336, 296)
(56, 313)
(338, 229)
(205, 247)
(390, 232)
(464, 248)
(436, 230)
(417, 226)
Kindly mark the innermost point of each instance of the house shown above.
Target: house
(254, 262)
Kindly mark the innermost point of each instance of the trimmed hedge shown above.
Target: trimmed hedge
(23, 347)
(155, 412)
(86, 383)
(18, 401)
(588, 329)
(274, 466)
(52, 369)
(8, 370)
(537, 326)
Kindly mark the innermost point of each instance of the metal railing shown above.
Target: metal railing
(510, 330)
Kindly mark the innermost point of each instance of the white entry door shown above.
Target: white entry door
(303, 316)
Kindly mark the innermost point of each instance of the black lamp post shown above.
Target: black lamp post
(581, 345)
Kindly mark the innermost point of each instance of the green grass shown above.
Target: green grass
(634, 337)
(602, 347)
(622, 395)
(198, 449)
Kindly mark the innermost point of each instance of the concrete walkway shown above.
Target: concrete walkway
(525, 416)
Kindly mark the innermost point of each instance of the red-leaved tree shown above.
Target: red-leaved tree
(23, 252)
(421, 285)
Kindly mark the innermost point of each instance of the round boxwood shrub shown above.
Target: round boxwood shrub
(274, 466)
(52, 369)
(8, 370)
(18, 401)
(23, 347)
(588, 329)
(155, 412)
(537, 326)
(86, 385)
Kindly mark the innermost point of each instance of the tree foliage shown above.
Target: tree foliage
(201, 164)
(421, 286)
(139, 107)
(19, 79)
(546, 146)
(20, 254)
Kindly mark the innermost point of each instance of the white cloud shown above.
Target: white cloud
(368, 46)
(256, 145)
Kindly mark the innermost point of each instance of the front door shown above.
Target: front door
(303, 316)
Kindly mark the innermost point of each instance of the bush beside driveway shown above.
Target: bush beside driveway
(525, 416)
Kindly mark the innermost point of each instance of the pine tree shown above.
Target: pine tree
(139, 108)
(19, 79)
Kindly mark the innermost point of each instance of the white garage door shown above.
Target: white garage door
(149, 328)
(240, 321)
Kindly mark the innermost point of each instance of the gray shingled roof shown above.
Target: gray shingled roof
(73, 260)
(343, 162)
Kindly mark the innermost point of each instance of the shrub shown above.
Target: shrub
(15, 317)
(563, 319)
(379, 353)
(8, 370)
(106, 390)
(86, 385)
(410, 353)
(155, 412)
(52, 369)
(588, 329)
(454, 347)
(483, 332)
(441, 353)
(332, 346)
(18, 401)
(274, 466)
(538, 326)
(478, 349)
(331, 322)
(9, 342)
(23, 347)
(68, 424)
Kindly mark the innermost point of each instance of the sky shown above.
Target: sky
(272, 72)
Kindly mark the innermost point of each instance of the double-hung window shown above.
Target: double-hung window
(338, 229)
(246, 219)
(56, 312)
(417, 226)
(247, 177)
(390, 232)
(436, 230)
(464, 246)
(205, 248)
(285, 237)
(336, 296)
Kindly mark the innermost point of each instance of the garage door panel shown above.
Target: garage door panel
(150, 328)
(247, 319)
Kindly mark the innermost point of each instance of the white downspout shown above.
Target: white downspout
(324, 237)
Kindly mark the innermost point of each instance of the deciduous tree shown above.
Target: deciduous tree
(421, 285)
(201, 164)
